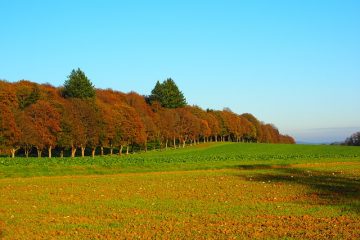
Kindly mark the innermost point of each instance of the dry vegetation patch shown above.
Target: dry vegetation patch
(211, 204)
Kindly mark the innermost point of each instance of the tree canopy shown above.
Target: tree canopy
(353, 140)
(78, 86)
(168, 94)
(37, 117)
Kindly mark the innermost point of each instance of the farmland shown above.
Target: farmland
(218, 191)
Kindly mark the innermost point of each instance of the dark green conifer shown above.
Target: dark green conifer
(78, 86)
(168, 94)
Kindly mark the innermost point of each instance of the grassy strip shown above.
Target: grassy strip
(201, 157)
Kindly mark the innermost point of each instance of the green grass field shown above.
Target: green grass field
(210, 191)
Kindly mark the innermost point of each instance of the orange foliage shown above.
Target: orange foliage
(34, 115)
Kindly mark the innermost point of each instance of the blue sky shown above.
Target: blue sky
(292, 63)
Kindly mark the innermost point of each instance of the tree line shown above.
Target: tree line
(77, 119)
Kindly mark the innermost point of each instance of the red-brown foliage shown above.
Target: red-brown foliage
(37, 116)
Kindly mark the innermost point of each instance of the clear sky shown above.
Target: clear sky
(294, 63)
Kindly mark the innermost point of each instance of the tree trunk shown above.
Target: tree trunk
(174, 143)
(49, 151)
(184, 143)
(73, 151)
(62, 153)
(13, 151)
(26, 153)
(111, 151)
(145, 146)
(82, 152)
(102, 151)
(93, 151)
(127, 150)
(161, 144)
(39, 151)
(121, 150)
(166, 144)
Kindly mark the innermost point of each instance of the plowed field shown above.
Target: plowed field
(296, 198)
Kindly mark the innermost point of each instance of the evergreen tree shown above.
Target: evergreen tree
(168, 94)
(78, 86)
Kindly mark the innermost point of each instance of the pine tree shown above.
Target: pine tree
(168, 94)
(78, 86)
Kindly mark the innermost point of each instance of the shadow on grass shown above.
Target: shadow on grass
(332, 188)
(259, 166)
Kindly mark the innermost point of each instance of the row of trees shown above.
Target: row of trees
(77, 118)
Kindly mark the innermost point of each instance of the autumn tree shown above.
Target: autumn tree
(231, 124)
(132, 128)
(248, 130)
(202, 124)
(65, 138)
(86, 121)
(186, 125)
(9, 131)
(223, 126)
(122, 124)
(168, 119)
(28, 134)
(270, 134)
(73, 131)
(286, 139)
(256, 131)
(146, 114)
(27, 93)
(213, 123)
(45, 121)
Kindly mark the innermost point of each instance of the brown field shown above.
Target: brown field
(301, 202)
